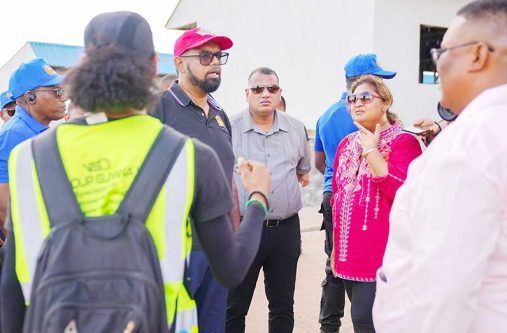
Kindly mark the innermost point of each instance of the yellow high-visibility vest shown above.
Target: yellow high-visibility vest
(169, 225)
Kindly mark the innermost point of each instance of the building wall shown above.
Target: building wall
(396, 41)
(307, 44)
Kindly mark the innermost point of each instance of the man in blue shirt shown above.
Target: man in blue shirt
(335, 124)
(7, 106)
(35, 87)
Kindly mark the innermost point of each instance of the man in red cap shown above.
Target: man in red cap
(188, 107)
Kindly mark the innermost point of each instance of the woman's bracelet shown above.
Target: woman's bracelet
(439, 127)
(262, 195)
(260, 203)
(368, 151)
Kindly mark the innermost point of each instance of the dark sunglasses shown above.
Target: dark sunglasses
(59, 92)
(365, 97)
(10, 112)
(259, 89)
(206, 58)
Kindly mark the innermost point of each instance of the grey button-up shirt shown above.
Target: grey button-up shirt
(284, 150)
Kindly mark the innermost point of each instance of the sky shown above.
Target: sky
(64, 22)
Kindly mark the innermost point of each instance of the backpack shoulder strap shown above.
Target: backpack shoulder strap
(152, 175)
(61, 203)
(77, 121)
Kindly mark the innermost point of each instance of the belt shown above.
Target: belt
(275, 223)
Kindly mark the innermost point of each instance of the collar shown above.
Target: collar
(280, 122)
(29, 120)
(182, 98)
(212, 101)
(344, 95)
(179, 95)
(490, 97)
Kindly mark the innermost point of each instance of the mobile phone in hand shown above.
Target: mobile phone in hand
(416, 130)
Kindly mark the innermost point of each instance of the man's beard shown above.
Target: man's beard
(206, 85)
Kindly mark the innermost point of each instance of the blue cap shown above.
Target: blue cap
(364, 64)
(31, 75)
(6, 98)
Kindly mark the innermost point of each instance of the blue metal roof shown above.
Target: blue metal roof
(165, 64)
(60, 55)
(57, 55)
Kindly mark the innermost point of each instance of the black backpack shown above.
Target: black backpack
(99, 274)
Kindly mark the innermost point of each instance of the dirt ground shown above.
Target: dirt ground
(310, 274)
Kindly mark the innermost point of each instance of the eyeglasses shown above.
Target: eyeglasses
(59, 92)
(365, 97)
(10, 112)
(260, 89)
(206, 58)
(437, 53)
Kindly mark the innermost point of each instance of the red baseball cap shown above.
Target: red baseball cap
(199, 36)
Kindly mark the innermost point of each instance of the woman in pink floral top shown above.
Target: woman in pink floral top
(370, 165)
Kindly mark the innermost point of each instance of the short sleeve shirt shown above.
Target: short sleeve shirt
(283, 149)
(178, 111)
(334, 125)
(18, 129)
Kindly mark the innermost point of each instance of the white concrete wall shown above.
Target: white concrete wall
(309, 42)
(306, 42)
(24, 54)
(396, 40)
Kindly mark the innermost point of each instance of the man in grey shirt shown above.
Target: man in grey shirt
(263, 134)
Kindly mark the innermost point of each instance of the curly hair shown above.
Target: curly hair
(113, 80)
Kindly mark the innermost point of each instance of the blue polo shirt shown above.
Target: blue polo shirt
(18, 129)
(335, 124)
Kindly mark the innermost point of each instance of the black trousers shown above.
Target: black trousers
(332, 301)
(361, 296)
(278, 257)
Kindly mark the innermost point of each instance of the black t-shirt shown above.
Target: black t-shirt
(178, 111)
(213, 196)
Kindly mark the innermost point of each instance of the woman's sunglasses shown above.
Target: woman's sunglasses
(365, 97)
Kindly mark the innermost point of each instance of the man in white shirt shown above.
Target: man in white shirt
(445, 266)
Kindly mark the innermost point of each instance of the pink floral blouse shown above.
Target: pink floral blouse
(361, 202)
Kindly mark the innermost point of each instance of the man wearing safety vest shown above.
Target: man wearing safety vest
(101, 156)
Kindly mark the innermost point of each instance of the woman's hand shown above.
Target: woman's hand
(368, 139)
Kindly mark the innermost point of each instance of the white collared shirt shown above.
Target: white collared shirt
(445, 266)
